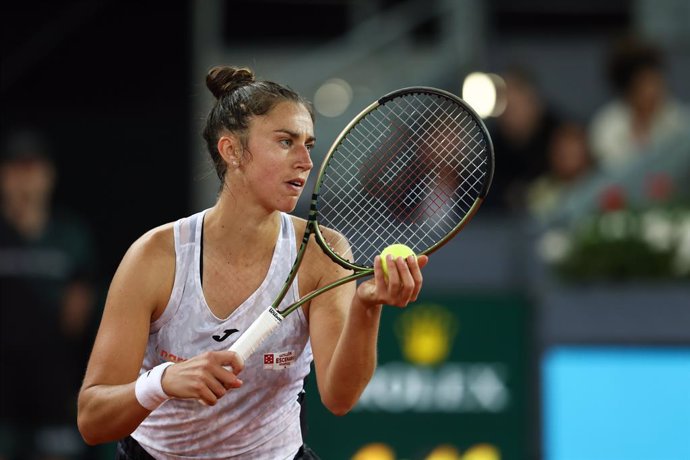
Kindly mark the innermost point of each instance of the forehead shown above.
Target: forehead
(288, 115)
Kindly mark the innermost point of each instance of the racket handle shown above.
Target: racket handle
(248, 342)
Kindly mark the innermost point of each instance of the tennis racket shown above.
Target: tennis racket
(412, 168)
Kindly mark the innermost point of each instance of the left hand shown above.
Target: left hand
(402, 286)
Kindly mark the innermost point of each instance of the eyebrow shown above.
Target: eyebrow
(294, 134)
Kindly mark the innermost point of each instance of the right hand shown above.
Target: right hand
(402, 286)
(206, 377)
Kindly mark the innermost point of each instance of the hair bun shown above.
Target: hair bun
(223, 80)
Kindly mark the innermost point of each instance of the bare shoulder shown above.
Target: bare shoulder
(155, 245)
(334, 239)
(317, 267)
(148, 267)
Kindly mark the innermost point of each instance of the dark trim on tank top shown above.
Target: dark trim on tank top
(201, 252)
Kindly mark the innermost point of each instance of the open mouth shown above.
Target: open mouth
(296, 182)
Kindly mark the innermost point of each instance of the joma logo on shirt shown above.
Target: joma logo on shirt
(226, 334)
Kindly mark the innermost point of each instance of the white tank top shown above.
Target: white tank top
(260, 420)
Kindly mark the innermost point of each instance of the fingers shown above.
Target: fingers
(224, 372)
(416, 273)
(207, 397)
(212, 389)
(232, 360)
(404, 279)
(379, 277)
(400, 281)
(232, 364)
(206, 377)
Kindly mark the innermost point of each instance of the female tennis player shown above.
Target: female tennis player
(160, 379)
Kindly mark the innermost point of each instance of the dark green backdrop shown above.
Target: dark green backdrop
(453, 370)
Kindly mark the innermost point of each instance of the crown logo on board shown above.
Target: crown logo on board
(426, 333)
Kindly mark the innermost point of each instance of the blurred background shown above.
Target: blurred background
(556, 326)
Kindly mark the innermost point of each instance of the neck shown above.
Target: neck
(238, 229)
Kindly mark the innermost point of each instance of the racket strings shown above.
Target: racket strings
(408, 172)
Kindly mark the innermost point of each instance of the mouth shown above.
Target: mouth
(298, 183)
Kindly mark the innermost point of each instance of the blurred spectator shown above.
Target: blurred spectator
(46, 270)
(521, 135)
(569, 162)
(643, 113)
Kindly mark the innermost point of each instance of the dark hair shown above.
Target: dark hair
(25, 144)
(627, 57)
(239, 98)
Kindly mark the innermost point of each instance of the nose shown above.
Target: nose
(304, 158)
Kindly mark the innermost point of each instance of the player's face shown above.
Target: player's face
(280, 145)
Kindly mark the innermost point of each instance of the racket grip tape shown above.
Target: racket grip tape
(261, 328)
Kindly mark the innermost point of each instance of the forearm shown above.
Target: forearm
(109, 412)
(354, 359)
(344, 368)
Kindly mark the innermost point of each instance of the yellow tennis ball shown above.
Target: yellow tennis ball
(395, 250)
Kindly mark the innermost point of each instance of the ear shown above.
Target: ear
(230, 149)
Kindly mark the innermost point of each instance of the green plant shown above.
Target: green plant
(622, 244)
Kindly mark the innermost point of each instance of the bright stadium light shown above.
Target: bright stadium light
(333, 97)
(484, 93)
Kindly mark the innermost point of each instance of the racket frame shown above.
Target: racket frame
(272, 317)
(312, 221)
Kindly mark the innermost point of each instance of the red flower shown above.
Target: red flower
(659, 186)
(612, 198)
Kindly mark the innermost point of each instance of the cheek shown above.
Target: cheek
(263, 177)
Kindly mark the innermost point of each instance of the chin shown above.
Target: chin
(288, 206)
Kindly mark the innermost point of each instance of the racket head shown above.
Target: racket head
(412, 168)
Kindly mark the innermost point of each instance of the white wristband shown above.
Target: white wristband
(149, 390)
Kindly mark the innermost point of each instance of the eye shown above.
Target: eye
(310, 146)
(286, 142)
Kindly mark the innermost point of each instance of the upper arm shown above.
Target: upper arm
(141, 286)
(328, 311)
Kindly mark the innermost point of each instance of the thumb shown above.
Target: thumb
(231, 359)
